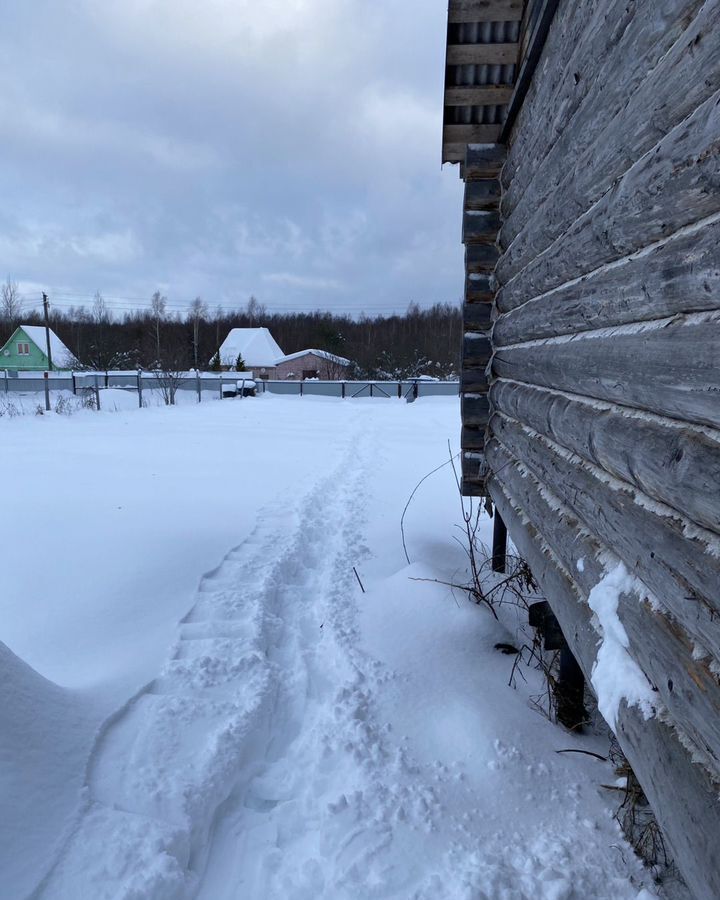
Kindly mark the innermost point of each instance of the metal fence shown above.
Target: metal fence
(220, 385)
(356, 389)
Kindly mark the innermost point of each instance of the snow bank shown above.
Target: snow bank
(45, 737)
(616, 676)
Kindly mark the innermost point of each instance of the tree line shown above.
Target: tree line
(418, 342)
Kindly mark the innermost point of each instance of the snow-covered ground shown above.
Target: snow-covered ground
(200, 701)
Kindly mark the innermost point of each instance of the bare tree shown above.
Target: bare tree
(100, 313)
(10, 304)
(172, 364)
(158, 308)
(255, 311)
(198, 312)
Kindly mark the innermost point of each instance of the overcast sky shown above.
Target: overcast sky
(284, 148)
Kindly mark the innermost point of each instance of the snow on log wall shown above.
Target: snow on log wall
(604, 436)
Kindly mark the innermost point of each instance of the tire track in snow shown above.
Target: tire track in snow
(232, 697)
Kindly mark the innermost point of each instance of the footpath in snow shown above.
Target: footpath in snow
(267, 729)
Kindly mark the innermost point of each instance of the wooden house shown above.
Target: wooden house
(26, 350)
(588, 138)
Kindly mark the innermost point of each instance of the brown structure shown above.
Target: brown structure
(312, 364)
(591, 376)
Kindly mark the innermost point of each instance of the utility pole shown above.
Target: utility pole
(46, 309)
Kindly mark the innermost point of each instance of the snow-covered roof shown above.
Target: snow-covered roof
(61, 356)
(256, 346)
(323, 354)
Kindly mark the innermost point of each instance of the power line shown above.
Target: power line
(65, 304)
(126, 303)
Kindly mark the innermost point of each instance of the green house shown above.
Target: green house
(26, 351)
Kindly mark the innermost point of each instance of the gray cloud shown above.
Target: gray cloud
(288, 149)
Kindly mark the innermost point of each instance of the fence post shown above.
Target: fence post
(343, 390)
(97, 392)
(242, 389)
(399, 390)
(107, 379)
(499, 548)
(301, 388)
(199, 385)
(7, 382)
(371, 393)
(139, 381)
(46, 378)
(221, 386)
(74, 383)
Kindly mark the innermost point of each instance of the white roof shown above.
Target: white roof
(61, 356)
(323, 354)
(256, 346)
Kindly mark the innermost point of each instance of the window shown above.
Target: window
(23, 349)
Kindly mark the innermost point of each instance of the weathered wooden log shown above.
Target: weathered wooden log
(674, 463)
(478, 288)
(474, 381)
(673, 186)
(618, 64)
(475, 409)
(483, 193)
(477, 350)
(483, 161)
(461, 135)
(474, 466)
(680, 564)
(485, 11)
(686, 687)
(565, 49)
(477, 316)
(670, 367)
(480, 259)
(480, 226)
(472, 438)
(680, 791)
(678, 275)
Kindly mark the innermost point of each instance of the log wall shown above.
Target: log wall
(603, 439)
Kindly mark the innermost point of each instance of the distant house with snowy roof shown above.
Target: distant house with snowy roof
(26, 351)
(312, 364)
(256, 346)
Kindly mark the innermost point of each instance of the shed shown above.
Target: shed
(588, 138)
(257, 347)
(312, 364)
(26, 351)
